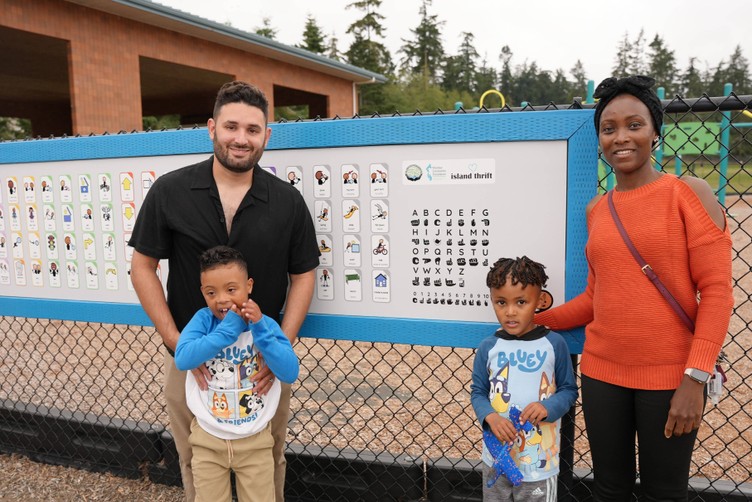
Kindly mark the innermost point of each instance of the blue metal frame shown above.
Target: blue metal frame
(573, 126)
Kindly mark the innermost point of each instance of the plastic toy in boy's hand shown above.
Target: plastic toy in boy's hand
(503, 463)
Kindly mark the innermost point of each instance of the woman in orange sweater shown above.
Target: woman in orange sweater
(643, 370)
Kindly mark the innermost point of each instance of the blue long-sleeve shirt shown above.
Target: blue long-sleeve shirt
(205, 337)
(516, 371)
(231, 408)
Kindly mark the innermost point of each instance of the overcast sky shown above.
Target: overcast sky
(553, 33)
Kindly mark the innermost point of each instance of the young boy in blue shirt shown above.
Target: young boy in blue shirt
(521, 369)
(231, 429)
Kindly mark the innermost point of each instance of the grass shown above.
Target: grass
(738, 176)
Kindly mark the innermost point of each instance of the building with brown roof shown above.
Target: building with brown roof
(91, 66)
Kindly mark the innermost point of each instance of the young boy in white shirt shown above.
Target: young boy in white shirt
(231, 429)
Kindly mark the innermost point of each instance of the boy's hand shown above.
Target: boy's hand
(501, 427)
(534, 413)
(250, 311)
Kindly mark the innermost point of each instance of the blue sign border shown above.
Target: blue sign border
(573, 126)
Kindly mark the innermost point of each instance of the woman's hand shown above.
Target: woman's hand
(686, 410)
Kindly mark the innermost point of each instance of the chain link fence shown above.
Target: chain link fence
(374, 421)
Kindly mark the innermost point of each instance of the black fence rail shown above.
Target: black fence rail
(374, 421)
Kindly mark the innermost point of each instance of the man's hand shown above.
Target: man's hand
(264, 378)
(202, 376)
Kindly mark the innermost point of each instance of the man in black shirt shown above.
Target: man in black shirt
(227, 199)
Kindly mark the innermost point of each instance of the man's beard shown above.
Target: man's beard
(237, 166)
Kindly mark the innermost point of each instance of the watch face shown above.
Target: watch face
(699, 375)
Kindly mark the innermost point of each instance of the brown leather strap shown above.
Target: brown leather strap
(646, 269)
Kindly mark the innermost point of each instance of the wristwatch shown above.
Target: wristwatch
(698, 376)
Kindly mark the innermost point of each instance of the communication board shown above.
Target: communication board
(410, 213)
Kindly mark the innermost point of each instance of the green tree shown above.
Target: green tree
(460, 70)
(367, 51)
(150, 122)
(529, 84)
(485, 78)
(505, 76)
(313, 37)
(266, 29)
(560, 90)
(418, 92)
(630, 56)
(662, 66)
(738, 72)
(735, 72)
(332, 52)
(578, 86)
(622, 61)
(425, 53)
(637, 64)
(14, 128)
(691, 82)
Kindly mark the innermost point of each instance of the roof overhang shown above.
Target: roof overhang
(161, 16)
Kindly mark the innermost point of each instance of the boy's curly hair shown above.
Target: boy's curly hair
(220, 256)
(519, 270)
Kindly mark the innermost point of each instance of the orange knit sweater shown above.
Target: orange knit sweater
(633, 337)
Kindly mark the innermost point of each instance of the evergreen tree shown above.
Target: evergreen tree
(662, 66)
(459, 71)
(716, 79)
(691, 82)
(332, 52)
(313, 37)
(735, 72)
(369, 26)
(424, 54)
(560, 90)
(452, 77)
(579, 84)
(527, 85)
(621, 66)
(505, 76)
(636, 57)
(266, 30)
(366, 51)
(485, 78)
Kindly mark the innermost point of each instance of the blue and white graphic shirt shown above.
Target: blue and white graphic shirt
(230, 408)
(512, 371)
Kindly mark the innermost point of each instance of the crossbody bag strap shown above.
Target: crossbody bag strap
(647, 269)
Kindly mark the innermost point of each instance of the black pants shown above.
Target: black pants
(613, 415)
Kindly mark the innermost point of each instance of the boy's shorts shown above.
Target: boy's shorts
(504, 491)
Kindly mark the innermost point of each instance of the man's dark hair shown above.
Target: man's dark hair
(241, 92)
(220, 256)
(519, 270)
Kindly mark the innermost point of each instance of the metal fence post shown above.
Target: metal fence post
(659, 148)
(725, 136)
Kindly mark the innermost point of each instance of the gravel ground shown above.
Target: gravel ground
(376, 397)
(22, 480)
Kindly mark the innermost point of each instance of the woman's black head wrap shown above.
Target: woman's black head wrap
(639, 87)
